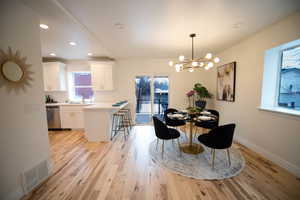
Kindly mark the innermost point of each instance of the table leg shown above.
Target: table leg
(189, 147)
(191, 134)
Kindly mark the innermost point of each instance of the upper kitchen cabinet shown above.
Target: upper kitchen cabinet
(102, 75)
(54, 76)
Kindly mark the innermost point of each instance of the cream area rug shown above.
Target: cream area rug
(197, 166)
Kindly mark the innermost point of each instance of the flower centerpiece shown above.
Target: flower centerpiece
(191, 97)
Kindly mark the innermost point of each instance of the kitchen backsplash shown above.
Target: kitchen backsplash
(58, 96)
(62, 97)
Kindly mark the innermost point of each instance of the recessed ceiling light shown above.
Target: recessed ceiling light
(72, 43)
(119, 25)
(44, 26)
(237, 25)
(52, 54)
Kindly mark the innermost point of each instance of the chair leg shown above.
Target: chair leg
(228, 155)
(157, 140)
(211, 151)
(186, 137)
(112, 128)
(162, 148)
(179, 146)
(213, 159)
(123, 127)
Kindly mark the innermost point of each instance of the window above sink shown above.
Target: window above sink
(80, 86)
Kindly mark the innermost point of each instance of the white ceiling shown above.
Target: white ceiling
(152, 28)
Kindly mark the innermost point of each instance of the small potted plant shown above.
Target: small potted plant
(201, 94)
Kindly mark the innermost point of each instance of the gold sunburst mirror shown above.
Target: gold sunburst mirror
(14, 72)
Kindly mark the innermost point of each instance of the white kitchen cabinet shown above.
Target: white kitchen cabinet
(72, 117)
(102, 75)
(54, 76)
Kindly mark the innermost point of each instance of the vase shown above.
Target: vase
(200, 103)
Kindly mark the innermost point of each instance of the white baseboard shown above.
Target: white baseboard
(271, 156)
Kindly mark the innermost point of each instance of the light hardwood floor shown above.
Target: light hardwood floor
(124, 170)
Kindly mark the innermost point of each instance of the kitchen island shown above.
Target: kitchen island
(98, 120)
(63, 116)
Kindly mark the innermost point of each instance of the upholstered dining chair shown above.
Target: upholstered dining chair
(210, 124)
(163, 133)
(175, 123)
(172, 122)
(219, 138)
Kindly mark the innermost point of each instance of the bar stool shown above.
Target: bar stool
(119, 124)
(128, 118)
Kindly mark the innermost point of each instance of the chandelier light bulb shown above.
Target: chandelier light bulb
(181, 58)
(217, 60)
(177, 67)
(191, 69)
(194, 64)
(206, 67)
(201, 64)
(44, 26)
(208, 55)
(72, 43)
(210, 64)
(171, 63)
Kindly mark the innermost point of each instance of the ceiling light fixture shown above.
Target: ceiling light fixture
(72, 43)
(90, 54)
(44, 26)
(119, 25)
(237, 25)
(190, 64)
(52, 54)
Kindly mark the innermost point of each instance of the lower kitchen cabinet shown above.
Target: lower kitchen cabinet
(72, 117)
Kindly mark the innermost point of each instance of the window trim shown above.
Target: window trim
(279, 76)
(72, 87)
(270, 97)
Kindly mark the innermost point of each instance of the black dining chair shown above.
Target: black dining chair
(210, 124)
(175, 123)
(163, 133)
(172, 122)
(219, 138)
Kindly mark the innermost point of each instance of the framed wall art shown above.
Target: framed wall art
(226, 82)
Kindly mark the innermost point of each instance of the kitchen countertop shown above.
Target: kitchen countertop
(104, 106)
(91, 106)
(69, 104)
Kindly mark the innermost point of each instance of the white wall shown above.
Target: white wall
(180, 83)
(23, 132)
(275, 135)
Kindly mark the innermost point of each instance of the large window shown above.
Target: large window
(289, 90)
(281, 82)
(81, 86)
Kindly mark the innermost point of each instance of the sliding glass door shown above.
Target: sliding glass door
(151, 97)
(143, 99)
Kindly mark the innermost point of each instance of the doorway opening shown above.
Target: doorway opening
(152, 97)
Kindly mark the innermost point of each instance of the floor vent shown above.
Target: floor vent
(34, 176)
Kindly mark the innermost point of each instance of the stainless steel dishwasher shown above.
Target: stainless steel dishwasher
(53, 117)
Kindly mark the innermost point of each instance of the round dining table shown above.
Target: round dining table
(190, 147)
